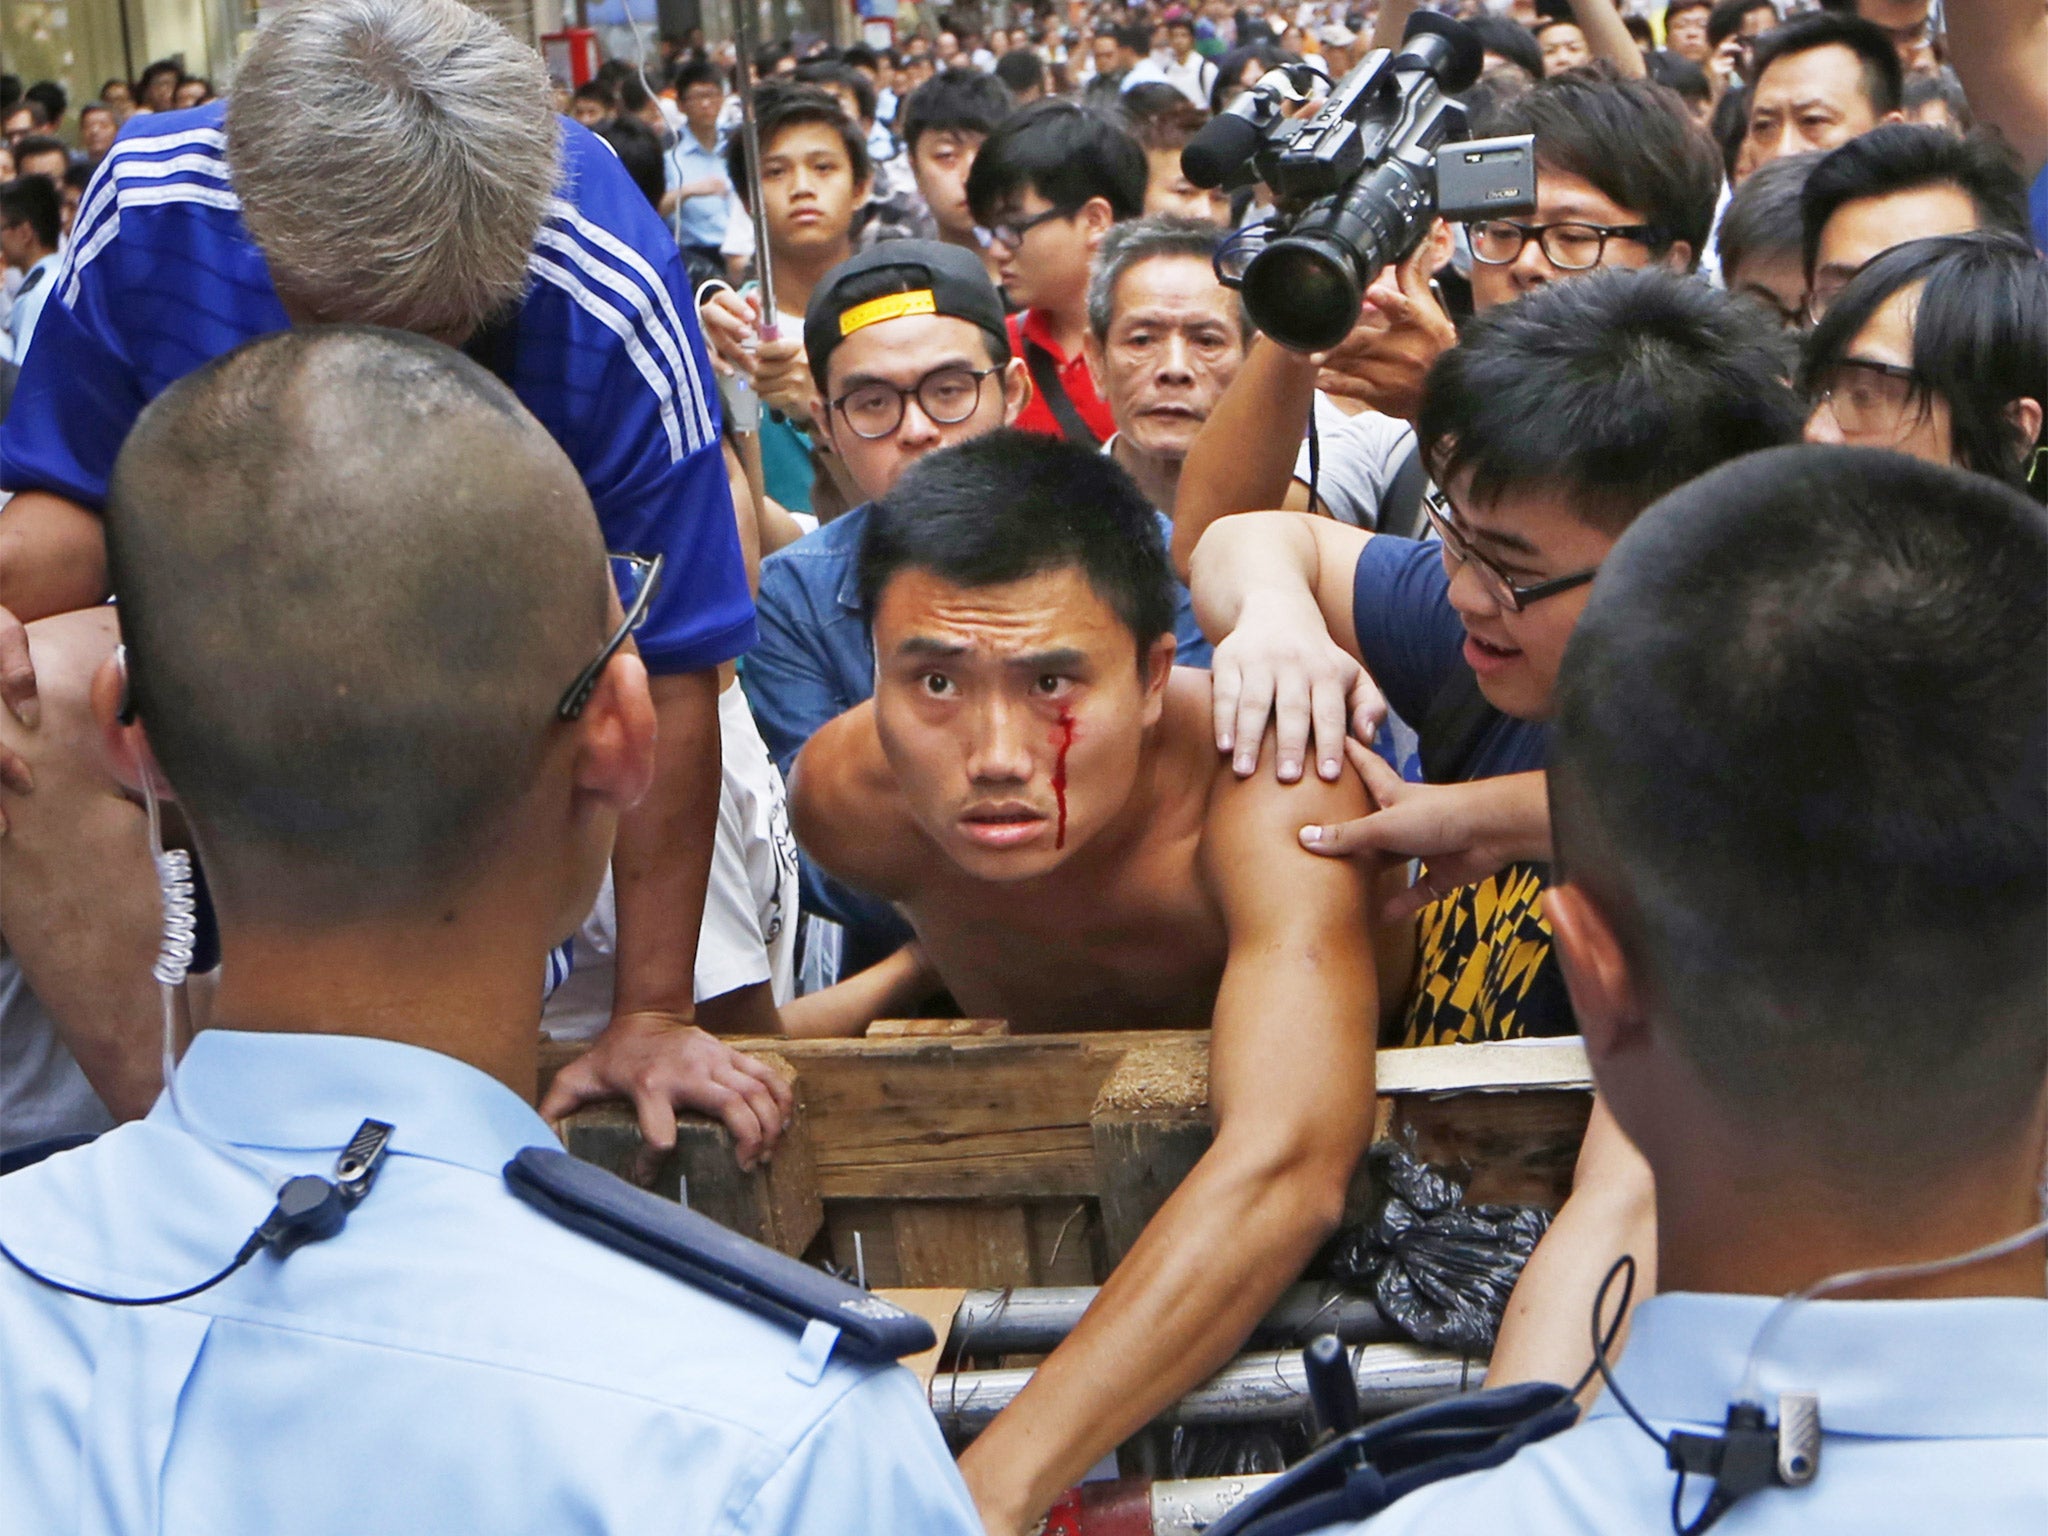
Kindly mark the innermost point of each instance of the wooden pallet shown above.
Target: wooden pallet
(952, 1154)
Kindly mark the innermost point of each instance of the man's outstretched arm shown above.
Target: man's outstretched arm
(1291, 1092)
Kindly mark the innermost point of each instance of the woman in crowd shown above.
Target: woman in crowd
(1939, 349)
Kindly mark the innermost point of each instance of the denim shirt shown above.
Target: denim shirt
(814, 662)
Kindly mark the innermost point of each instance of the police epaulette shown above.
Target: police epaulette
(698, 1251)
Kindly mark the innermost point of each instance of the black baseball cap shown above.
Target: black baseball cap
(923, 277)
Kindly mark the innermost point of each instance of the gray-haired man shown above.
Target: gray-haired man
(392, 162)
(1164, 341)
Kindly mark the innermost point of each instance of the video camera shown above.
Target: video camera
(1358, 182)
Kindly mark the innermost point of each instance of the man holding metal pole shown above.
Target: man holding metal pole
(391, 162)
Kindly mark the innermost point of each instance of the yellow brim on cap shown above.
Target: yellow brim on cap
(891, 306)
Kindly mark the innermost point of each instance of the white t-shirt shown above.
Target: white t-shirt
(750, 908)
(1360, 456)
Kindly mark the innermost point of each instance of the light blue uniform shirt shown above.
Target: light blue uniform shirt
(1934, 1418)
(450, 1362)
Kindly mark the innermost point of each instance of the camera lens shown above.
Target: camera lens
(1303, 291)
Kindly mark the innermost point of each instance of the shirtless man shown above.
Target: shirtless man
(1038, 788)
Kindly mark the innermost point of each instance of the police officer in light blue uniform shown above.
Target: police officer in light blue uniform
(402, 758)
(1805, 947)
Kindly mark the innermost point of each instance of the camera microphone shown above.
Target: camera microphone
(1223, 144)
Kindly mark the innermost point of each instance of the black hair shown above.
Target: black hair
(1678, 73)
(51, 97)
(634, 97)
(833, 72)
(1762, 218)
(1161, 121)
(600, 91)
(1883, 77)
(1612, 389)
(957, 101)
(1135, 36)
(387, 721)
(1632, 139)
(639, 150)
(1021, 70)
(95, 105)
(10, 91)
(861, 56)
(1899, 157)
(780, 104)
(1066, 155)
(1231, 65)
(1942, 86)
(32, 200)
(1728, 16)
(39, 144)
(38, 114)
(698, 72)
(77, 177)
(1511, 40)
(880, 282)
(1980, 340)
(1011, 505)
(1800, 762)
(148, 77)
(1729, 126)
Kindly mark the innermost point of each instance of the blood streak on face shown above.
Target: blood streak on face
(1059, 775)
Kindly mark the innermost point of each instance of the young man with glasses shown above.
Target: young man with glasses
(1549, 429)
(1048, 184)
(909, 351)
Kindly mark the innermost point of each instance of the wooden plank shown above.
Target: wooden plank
(887, 1029)
(777, 1203)
(1517, 1148)
(971, 1243)
(1066, 1242)
(972, 1118)
(873, 1222)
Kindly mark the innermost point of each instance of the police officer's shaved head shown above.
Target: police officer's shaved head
(355, 577)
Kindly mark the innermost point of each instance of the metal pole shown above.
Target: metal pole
(1254, 1388)
(744, 43)
(1033, 1320)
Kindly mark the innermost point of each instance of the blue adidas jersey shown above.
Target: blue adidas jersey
(161, 276)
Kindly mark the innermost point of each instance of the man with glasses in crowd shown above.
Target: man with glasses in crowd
(1048, 184)
(1624, 179)
(1660, 379)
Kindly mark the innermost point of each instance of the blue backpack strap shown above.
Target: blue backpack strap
(1360, 1474)
(698, 1251)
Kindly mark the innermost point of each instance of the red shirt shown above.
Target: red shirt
(1074, 377)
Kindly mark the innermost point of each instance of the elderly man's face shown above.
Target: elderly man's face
(52, 163)
(1175, 342)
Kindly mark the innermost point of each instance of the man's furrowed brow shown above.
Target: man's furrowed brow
(924, 645)
(1060, 659)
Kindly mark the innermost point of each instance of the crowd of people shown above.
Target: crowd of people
(1632, 629)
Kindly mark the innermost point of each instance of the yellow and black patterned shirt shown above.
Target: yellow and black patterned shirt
(1484, 968)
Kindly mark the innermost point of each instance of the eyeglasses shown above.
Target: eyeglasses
(1458, 551)
(874, 409)
(1012, 234)
(1869, 398)
(636, 577)
(1570, 247)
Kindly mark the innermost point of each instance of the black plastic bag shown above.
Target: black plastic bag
(1441, 1271)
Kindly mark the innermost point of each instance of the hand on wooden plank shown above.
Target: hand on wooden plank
(663, 1065)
